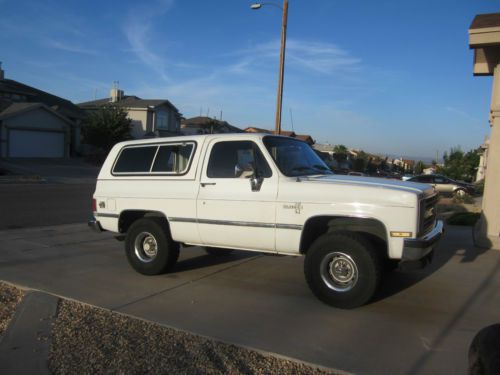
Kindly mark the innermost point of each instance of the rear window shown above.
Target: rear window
(155, 159)
(135, 159)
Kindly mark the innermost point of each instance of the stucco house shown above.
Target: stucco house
(303, 137)
(36, 124)
(150, 117)
(207, 125)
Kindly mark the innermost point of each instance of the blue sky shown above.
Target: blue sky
(386, 76)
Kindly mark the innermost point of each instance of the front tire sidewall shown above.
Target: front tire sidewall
(167, 252)
(364, 258)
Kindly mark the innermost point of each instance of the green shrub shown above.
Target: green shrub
(464, 218)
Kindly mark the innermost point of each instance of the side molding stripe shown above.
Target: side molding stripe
(235, 223)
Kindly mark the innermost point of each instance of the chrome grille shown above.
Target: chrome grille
(427, 214)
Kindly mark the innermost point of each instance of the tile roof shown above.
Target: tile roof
(482, 21)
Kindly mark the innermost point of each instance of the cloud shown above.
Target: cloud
(462, 114)
(316, 57)
(137, 30)
(69, 47)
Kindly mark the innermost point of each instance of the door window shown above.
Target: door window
(237, 159)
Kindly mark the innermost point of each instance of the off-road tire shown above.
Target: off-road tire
(149, 247)
(343, 269)
(218, 251)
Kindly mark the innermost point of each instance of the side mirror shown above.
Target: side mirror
(256, 182)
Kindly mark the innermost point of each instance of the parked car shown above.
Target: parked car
(445, 185)
(353, 173)
(268, 194)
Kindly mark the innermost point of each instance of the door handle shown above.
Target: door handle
(203, 184)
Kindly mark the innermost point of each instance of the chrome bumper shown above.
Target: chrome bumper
(418, 248)
(95, 225)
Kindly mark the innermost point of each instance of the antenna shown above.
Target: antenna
(291, 118)
(221, 114)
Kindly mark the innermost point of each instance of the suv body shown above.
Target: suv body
(263, 193)
(445, 185)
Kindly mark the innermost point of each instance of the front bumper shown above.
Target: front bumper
(417, 252)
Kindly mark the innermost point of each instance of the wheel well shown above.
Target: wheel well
(127, 218)
(373, 230)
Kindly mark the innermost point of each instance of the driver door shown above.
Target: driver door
(233, 210)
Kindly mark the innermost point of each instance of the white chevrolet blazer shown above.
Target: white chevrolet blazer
(263, 193)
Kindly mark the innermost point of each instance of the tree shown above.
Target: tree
(460, 166)
(340, 152)
(106, 126)
(419, 167)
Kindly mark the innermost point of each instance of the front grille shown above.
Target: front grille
(427, 214)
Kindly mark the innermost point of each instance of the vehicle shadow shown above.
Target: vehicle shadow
(457, 241)
(196, 261)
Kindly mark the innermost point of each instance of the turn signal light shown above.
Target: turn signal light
(401, 234)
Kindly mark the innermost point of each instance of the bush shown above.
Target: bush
(464, 218)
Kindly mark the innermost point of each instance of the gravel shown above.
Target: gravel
(88, 340)
(9, 298)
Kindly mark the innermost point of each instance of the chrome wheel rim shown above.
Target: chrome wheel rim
(339, 272)
(146, 247)
(460, 193)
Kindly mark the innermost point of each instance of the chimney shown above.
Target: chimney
(116, 94)
(2, 75)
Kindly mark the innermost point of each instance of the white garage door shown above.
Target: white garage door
(35, 144)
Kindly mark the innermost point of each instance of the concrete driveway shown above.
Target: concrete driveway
(421, 323)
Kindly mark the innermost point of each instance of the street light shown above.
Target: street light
(282, 58)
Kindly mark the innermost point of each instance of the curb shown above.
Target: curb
(25, 345)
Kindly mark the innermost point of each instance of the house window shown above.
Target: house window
(162, 120)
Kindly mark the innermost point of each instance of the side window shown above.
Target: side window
(440, 180)
(135, 159)
(173, 158)
(155, 159)
(237, 159)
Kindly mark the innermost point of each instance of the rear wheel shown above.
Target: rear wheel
(460, 193)
(149, 248)
(342, 269)
(218, 251)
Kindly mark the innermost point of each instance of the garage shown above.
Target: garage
(33, 130)
(36, 144)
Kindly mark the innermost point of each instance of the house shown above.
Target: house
(150, 117)
(207, 125)
(36, 124)
(303, 137)
(483, 160)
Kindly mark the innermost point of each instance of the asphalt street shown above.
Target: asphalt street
(37, 204)
(421, 322)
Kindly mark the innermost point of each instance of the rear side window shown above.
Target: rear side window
(135, 159)
(155, 159)
(173, 158)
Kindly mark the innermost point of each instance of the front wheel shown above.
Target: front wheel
(342, 269)
(149, 248)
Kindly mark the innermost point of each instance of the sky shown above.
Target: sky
(388, 76)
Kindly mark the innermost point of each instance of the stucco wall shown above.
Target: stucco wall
(139, 119)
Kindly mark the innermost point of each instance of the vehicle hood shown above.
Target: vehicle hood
(411, 187)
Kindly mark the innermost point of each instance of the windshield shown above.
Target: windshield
(294, 157)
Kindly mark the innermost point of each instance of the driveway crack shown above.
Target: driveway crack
(185, 283)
